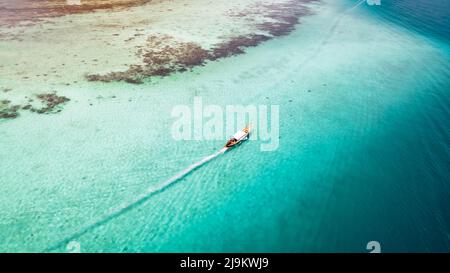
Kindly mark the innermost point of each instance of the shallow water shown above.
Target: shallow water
(364, 150)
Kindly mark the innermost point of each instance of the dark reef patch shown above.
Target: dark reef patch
(51, 101)
(236, 46)
(48, 103)
(161, 56)
(8, 111)
(165, 56)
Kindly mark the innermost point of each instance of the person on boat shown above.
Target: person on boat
(231, 142)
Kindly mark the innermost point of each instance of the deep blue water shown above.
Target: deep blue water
(428, 17)
(398, 188)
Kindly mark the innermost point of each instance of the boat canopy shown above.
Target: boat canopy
(239, 135)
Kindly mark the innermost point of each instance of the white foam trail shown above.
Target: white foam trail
(136, 201)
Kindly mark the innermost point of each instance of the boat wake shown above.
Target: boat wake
(151, 191)
(329, 34)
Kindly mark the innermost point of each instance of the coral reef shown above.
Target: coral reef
(8, 111)
(48, 103)
(163, 54)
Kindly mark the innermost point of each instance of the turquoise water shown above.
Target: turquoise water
(364, 149)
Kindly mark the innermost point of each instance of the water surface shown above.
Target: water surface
(364, 148)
